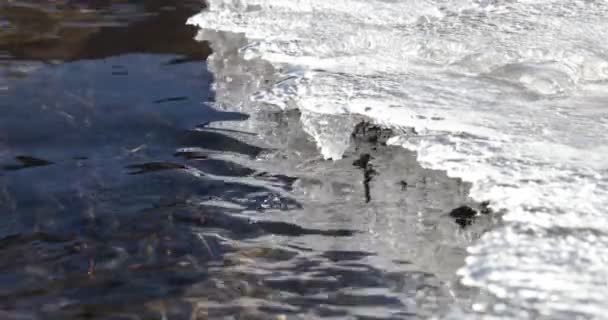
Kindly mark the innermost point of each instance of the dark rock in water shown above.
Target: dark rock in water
(367, 132)
(463, 215)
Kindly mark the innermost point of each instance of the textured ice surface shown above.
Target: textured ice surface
(508, 95)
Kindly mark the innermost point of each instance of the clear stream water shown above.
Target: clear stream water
(169, 160)
(510, 96)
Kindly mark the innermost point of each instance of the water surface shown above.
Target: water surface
(135, 184)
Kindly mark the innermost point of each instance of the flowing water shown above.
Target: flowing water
(139, 180)
(509, 96)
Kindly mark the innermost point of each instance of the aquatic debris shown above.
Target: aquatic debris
(368, 172)
(463, 215)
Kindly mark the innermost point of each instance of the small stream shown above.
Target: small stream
(136, 183)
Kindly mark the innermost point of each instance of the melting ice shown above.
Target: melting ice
(511, 96)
